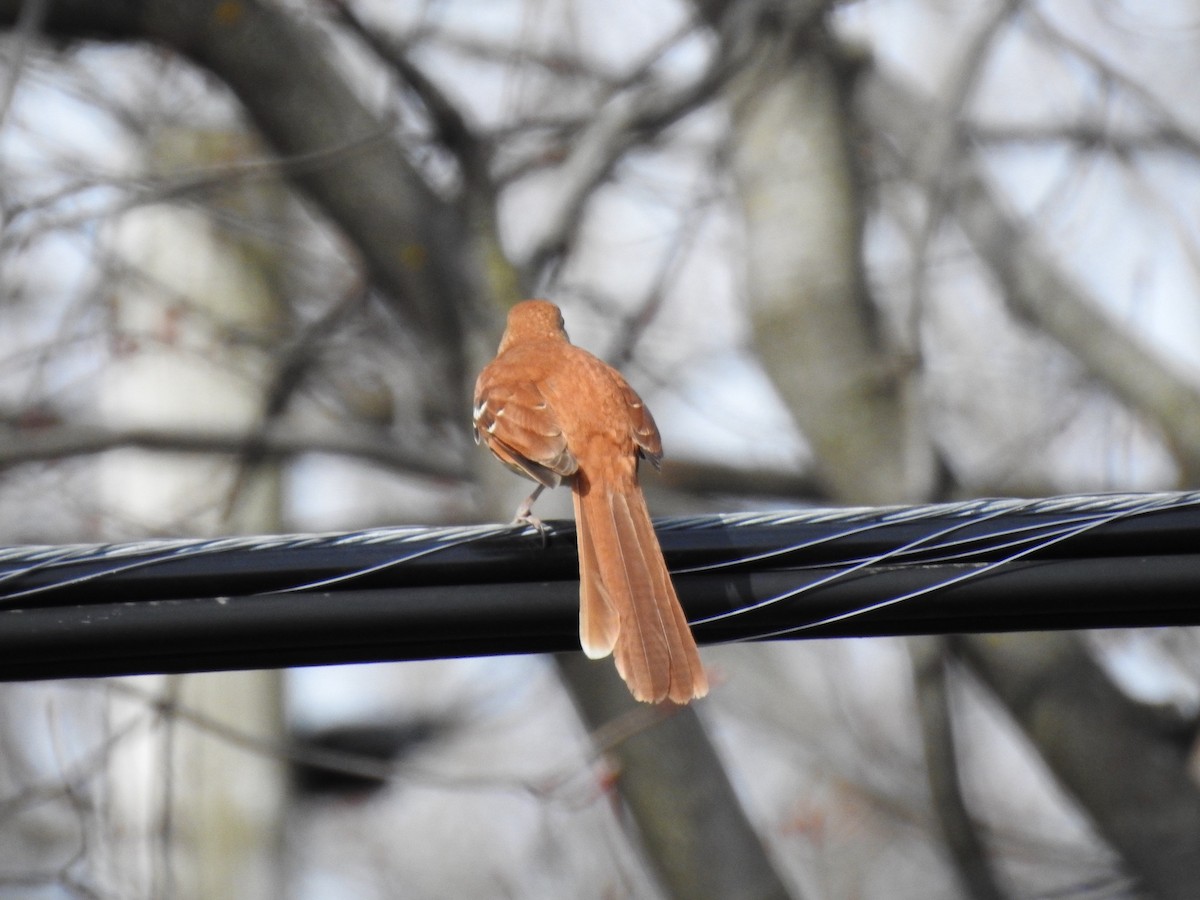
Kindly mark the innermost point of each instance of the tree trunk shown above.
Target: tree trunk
(814, 323)
(1102, 746)
(670, 777)
(211, 812)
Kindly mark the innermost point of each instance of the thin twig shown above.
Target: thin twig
(28, 27)
(44, 445)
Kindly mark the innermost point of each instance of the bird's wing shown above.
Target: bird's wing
(519, 426)
(642, 427)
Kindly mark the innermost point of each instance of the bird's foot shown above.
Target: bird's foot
(525, 516)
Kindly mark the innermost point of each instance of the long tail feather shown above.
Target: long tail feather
(624, 583)
(599, 621)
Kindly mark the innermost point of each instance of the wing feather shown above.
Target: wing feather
(642, 426)
(519, 426)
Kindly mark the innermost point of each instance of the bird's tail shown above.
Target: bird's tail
(628, 605)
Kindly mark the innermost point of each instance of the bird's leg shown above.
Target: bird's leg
(525, 514)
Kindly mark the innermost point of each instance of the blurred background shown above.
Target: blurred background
(851, 253)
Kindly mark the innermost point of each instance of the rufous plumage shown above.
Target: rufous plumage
(555, 413)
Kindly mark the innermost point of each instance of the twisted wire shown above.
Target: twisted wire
(410, 592)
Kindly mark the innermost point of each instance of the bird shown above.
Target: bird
(554, 413)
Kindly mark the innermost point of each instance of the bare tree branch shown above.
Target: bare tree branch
(44, 445)
(452, 128)
(706, 479)
(815, 323)
(1036, 287)
(630, 117)
(633, 326)
(959, 829)
(413, 242)
(677, 791)
(1121, 141)
(1096, 741)
(1168, 123)
(29, 24)
(477, 198)
(943, 143)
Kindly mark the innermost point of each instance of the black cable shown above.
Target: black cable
(413, 593)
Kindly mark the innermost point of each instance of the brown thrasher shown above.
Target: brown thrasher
(553, 412)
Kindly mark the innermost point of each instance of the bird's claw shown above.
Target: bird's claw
(526, 517)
